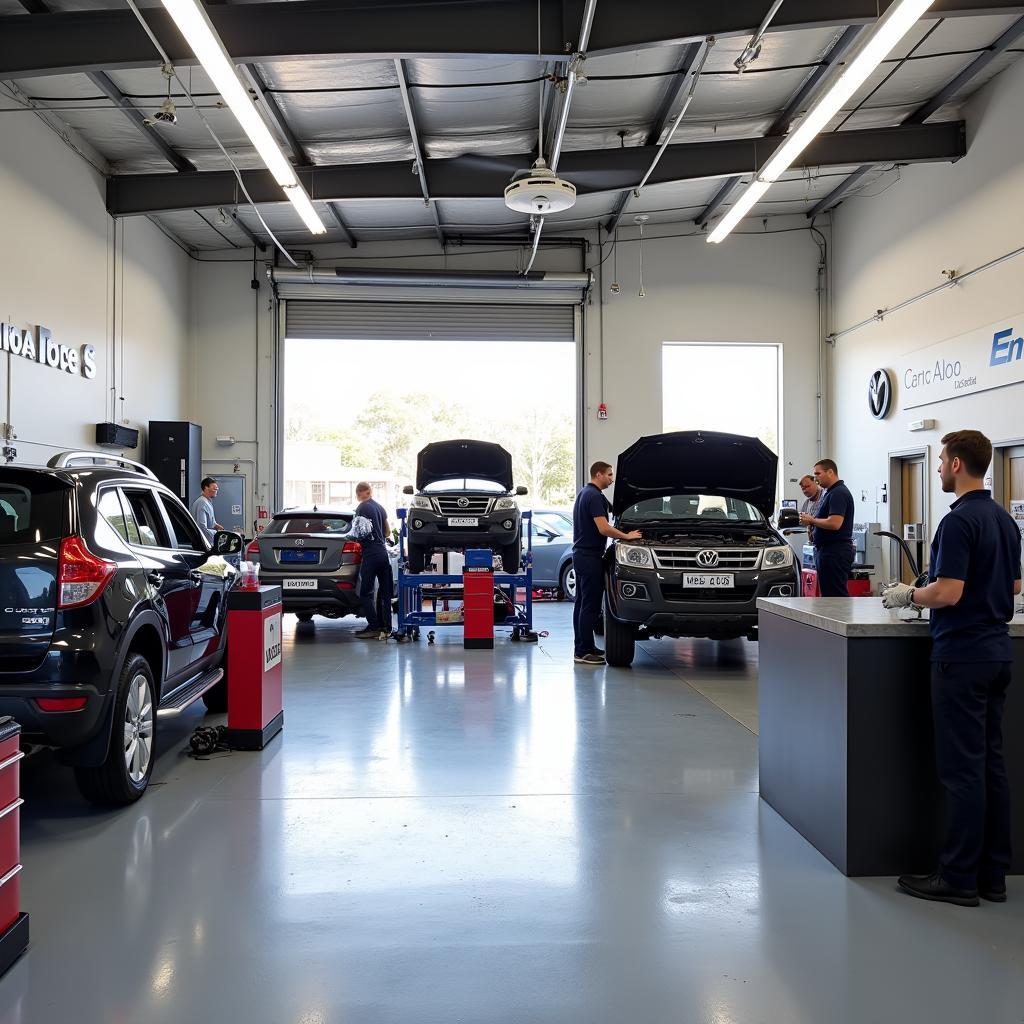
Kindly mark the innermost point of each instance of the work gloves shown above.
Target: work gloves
(898, 595)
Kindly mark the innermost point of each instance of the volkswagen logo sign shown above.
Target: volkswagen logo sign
(707, 559)
(880, 394)
(463, 502)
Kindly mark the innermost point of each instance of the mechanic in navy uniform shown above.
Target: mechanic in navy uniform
(975, 573)
(831, 531)
(375, 567)
(590, 533)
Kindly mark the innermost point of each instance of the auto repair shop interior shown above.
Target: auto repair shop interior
(463, 252)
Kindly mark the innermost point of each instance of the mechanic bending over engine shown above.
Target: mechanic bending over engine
(975, 573)
(831, 528)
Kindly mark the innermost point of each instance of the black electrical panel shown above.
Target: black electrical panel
(175, 454)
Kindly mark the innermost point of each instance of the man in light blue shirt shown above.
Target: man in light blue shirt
(202, 509)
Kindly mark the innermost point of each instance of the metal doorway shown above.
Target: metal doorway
(908, 487)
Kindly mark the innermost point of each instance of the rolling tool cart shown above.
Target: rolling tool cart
(13, 922)
(441, 589)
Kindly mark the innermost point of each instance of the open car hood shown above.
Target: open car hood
(451, 460)
(697, 462)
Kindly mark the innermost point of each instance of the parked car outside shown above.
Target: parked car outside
(112, 615)
(552, 552)
(312, 556)
(703, 502)
(463, 499)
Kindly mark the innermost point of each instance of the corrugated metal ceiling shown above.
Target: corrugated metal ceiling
(351, 111)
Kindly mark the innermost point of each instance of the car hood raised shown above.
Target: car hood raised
(450, 460)
(697, 462)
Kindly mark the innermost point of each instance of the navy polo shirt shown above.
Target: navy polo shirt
(979, 543)
(590, 504)
(838, 501)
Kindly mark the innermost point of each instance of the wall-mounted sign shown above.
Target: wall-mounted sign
(880, 394)
(990, 357)
(36, 343)
(1017, 511)
(271, 642)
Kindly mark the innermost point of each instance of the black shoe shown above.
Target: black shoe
(598, 652)
(993, 893)
(934, 887)
(367, 634)
(589, 659)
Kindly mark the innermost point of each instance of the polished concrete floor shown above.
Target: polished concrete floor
(441, 837)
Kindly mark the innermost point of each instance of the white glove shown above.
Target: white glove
(898, 595)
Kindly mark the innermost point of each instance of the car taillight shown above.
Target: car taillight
(81, 575)
(353, 547)
(253, 550)
(61, 703)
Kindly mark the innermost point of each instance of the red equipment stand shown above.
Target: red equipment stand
(478, 602)
(255, 690)
(809, 583)
(13, 923)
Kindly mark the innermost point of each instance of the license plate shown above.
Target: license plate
(463, 521)
(299, 584)
(299, 555)
(708, 581)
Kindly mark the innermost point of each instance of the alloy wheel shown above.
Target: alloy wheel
(138, 729)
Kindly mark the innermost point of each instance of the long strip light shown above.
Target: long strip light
(890, 29)
(195, 25)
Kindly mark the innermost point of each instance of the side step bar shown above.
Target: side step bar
(177, 701)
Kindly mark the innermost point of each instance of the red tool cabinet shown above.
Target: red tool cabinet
(478, 608)
(13, 922)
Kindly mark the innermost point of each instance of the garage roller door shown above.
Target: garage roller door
(427, 321)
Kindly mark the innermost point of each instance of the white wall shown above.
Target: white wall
(57, 262)
(751, 289)
(895, 245)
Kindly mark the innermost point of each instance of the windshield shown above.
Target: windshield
(464, 484)
(313, 524)
(696, 508)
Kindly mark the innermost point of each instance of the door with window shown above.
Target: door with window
(168, 574)
(913, 505)
(210, 591)
(1013, 483)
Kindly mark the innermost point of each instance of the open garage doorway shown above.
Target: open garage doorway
(361, 409)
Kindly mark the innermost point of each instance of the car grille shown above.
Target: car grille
(473, 506)
(675, 592)
(686, 558)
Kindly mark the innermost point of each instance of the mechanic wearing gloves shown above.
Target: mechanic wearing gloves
(975, 573)
(831, 531)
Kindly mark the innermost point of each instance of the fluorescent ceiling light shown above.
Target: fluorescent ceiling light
(199, 33)
(890, 29)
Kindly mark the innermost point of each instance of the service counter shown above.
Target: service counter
(846, 747)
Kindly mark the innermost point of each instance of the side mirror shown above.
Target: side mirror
(225, 543)
(788, 519)
(408, 489)
(522, 492)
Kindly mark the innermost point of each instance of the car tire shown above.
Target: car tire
(567, 583)
(512, 557)
(304, 616)
(417, 558)
(619, 643)
(125, 774)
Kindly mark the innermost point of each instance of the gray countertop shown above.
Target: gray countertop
(854, 616)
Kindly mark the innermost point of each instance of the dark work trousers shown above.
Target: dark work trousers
(589, 568)
(967, 708)
(833, 562)
(376, 569)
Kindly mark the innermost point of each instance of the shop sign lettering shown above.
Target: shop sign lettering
(990, 357)
(271, 642)
(38, 345)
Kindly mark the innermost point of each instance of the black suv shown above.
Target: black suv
(703, 502)
(464, 499)
(106, 623)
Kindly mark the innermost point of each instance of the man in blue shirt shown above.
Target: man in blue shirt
(375, 567)
(975, 573)
(831, 531)
(590, 533)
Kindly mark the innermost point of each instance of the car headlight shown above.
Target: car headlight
(419, 502)
(503, 503)
(777, 558)
(636, 555)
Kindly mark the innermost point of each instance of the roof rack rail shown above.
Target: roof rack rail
(67, 459)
